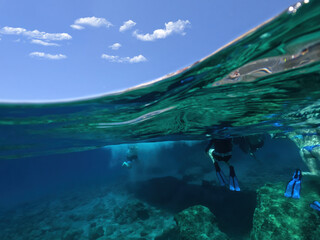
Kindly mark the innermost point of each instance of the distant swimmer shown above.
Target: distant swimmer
(221, 150)
(294, 186)
(250, 144)
(132, 155)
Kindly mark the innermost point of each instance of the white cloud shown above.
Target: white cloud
(78, 27)
(90, 21)
(13, 31)
(127, 25)
(137, 59)
(170, 28)
(35, 34)
(115, 46)
(43, 43)
(111, 58)
(117, 59)
(47, 55)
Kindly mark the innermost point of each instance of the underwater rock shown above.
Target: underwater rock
(277, 217)
(234, 211)
(206, 183)
(308, 141)
(74, 235)
(143, 214)
(139, 220)
(130, 213)
(192, 174)
(110, 229)
(169, 234)
(75, 217)
(198, 223)
(96, 233)
(99, 208)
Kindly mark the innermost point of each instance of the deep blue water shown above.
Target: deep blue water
(31, 178)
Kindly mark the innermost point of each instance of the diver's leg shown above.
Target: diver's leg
(315, 165)
(311, 161)
(220, 175)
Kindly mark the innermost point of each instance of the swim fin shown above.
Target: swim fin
(296, 189)
(294, 186)
(315, 205)
(220, 175)
(233, 180)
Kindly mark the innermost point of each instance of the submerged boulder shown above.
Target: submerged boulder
(171, 233)
(198, 223)
(308, 142)
(277, 217)
(96, 232)
(131, 212)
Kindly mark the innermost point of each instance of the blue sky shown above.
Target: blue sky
(65, 49)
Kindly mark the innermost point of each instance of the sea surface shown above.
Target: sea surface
(61, 174)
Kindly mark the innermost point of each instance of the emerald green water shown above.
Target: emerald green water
(265, 81)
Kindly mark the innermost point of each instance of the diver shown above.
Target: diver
(250, 144)
(315, 205)
(221, 150)
(132, 155)
(294, 186)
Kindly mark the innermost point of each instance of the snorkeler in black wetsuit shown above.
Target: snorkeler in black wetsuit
(221, 150)
(250, 144)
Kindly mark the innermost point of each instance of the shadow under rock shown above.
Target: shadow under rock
(234, 210)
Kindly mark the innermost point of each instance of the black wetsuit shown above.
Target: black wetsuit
(222, 149)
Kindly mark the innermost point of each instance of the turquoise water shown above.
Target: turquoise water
(64, 158)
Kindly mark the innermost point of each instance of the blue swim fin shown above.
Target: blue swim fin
(315, 205)
(233, 180)
(296, 189)
(220, 175)
(294, 186)
(289, 188)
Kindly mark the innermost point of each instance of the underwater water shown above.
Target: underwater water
(61, 173)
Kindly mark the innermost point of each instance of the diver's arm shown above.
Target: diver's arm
(209, 146)
(211, 150)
